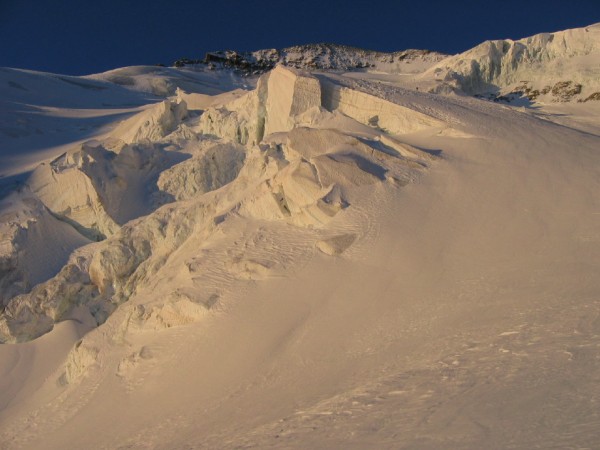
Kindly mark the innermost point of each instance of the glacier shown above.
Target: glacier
(314, 247)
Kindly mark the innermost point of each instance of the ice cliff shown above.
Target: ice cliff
(559, 66)
(163, 180)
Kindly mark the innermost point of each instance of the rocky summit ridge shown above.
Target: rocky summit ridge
(320, 56)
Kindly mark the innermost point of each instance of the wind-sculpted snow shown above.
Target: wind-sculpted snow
(276, 183)
(290, 173)
(99, 186)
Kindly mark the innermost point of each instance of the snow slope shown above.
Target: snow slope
(42, 115)
(550, 67)
(327, 261)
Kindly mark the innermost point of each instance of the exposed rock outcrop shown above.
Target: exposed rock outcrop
(322, 56)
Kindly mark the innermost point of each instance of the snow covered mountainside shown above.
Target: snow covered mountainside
(335, 252)
(551, 67)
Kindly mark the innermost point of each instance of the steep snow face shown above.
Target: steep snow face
(558, 66)
(377, 112)
(286, 97)
(280, 97)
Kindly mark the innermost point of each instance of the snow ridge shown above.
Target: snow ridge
(321, 56)
(557, 67)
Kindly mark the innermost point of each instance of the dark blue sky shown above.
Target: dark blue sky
(87, 36)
